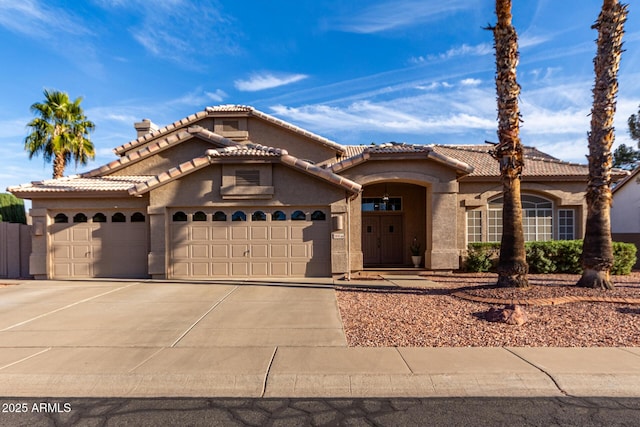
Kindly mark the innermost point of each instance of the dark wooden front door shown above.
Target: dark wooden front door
(382, 239)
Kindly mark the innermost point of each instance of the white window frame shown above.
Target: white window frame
(474, 226)
(534, 219)
(564, 235)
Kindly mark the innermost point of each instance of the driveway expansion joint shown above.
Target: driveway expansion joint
(404, 360)
(190, 328)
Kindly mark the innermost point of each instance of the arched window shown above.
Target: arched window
(219, 216)
(258, 216)
(298, 216)
(239, 216)
(199, 216)
(99, 217)
(179, 216)
(79, 217)
(278, 216)
(537, 218)
(60, 219)
(118, 217)
(137, 217)
(318, 216)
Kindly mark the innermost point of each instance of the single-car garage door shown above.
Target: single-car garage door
(250, 242)
(99, 244)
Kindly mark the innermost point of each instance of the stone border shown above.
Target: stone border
(544, 301)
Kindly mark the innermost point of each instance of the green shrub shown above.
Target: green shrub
(541, 257)
(482, 257)
(12, 209)
(555, 256)
(568, 256)
(624, 255)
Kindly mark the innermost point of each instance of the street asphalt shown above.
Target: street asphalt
(249, 339)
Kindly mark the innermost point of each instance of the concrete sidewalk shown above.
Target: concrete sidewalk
(249, 339)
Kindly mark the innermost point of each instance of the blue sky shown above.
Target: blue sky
(353, 71)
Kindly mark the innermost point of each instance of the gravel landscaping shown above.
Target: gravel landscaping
(389, 316)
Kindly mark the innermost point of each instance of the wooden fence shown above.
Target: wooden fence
(15, 248)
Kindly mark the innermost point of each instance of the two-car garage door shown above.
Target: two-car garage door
(249, 242)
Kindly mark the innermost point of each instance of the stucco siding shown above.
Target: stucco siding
(261, 132)
(167, 159)
(625, 211)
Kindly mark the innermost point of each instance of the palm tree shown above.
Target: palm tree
(597, 249)
(60, 132)
(512, 265)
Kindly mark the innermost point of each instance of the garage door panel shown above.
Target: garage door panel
(61, 234)
(298, 268)
(252, 248)
(81, 269)
(240, 233)
(181, 269)
(299, 251)
(259, 251)
(80, 251)
(200, 269)
(279, 233)
(61, 252)
(259, 269)
(279, 251)
(80, 234)
(297, 233)
(220, 268)
(219, 232)
(239, 251)
(280, 269)
(200, 251)
(259, 233)
(219, 251)
(240, 269)
(200, 233)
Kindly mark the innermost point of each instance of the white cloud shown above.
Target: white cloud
(34, 19)
(464, 50)
(218, 96)
(179, 30)
(470, 82)
(393, 14)
(267, 81)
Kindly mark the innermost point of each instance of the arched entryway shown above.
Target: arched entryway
(393, 214)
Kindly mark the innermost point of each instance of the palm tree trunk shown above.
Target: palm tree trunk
(58, 166)
(512, 265)
(597, 249)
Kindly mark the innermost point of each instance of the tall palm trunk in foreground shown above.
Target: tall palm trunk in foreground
(512, 266)
(597, 249)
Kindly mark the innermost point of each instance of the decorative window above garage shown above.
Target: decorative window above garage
(247, 178)
(234, 128)
(249, 181)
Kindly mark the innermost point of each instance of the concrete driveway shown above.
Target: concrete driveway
(143, 338)
(168, 314)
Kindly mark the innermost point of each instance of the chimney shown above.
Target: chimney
(144, 127)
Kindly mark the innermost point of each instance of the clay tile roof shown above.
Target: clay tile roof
(269, 118)
(246, 150)
(145, 138)
(157, 146)
(78, 183)
(393, 147)
(359, 154)
(537, 163)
